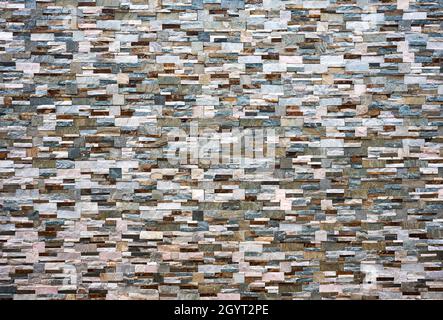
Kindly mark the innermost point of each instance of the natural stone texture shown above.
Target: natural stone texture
(114, 121)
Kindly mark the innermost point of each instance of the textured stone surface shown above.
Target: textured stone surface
(96, 201)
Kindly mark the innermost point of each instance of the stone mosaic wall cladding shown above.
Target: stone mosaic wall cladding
(332, 185)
